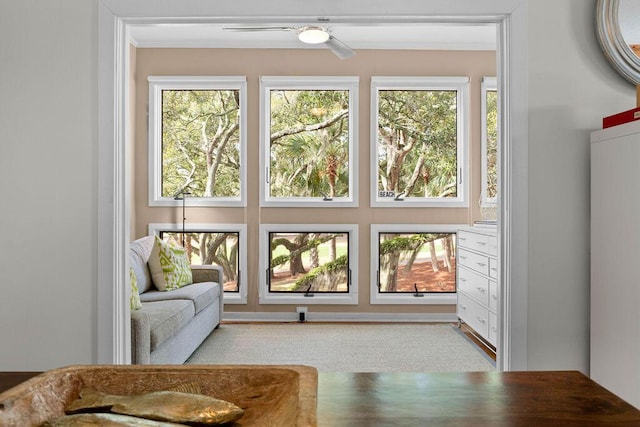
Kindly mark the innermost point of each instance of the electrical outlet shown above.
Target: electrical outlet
(302, 314)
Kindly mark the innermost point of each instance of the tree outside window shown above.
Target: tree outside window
(309, 262)
(489, 141)
(416, 263)
(207, 248)
(308, 141)
(196, 140)
(419, 141)
(413, 263)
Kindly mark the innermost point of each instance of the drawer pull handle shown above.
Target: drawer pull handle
(464, 307)
(481, 264)
(462, 279)
(463, 257)
(481, 320)
(481, 243)
(482, 290)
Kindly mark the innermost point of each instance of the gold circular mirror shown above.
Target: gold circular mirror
(619, 35)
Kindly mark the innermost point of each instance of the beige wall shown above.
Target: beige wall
(254, 63)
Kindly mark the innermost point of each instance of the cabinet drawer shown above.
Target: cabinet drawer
(473, 314)
(476, 262)
(493, 296)
(493, 329)
(475, 285)
(493, 268)
(474, 241)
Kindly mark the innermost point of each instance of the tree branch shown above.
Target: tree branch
(308, 128)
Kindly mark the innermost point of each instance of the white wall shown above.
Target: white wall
(48, 175)
(571, 87)
(48, 116)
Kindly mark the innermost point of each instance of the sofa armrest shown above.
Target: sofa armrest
(140, 338)
(210, 273)
(207, 273)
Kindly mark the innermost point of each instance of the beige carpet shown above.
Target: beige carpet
(345, 347)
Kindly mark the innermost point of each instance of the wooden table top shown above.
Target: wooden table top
(495, 399)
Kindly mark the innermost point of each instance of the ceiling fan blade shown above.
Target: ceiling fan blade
(341, 50)
(259, 28)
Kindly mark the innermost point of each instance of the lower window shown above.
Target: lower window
(308, 263)
(212, 244)
(413, 264)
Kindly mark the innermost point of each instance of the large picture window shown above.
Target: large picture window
(197, 140)
(213, 244)
(419, 132)
(310, 263)
(413, 264)
(308, 141)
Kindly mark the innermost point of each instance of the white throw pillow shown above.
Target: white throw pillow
(169, 266)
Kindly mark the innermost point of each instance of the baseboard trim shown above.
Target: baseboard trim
(340, 317)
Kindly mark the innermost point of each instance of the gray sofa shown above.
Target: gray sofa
(172, 324)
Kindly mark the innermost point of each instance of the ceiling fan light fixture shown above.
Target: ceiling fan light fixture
(313, 35)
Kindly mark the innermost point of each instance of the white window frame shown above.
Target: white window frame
(239, 297)
(488, 84)
(404, 298)
(267, 297)
(268, 83)
(159, 83)
(461, 86)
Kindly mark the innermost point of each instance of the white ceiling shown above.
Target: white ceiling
(428, 36)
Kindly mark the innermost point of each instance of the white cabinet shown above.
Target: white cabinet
(615, 251)
(477, 289)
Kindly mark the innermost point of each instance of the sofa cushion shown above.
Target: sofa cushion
(139, 252)
(200, 294)
(167, 318)
(169, 266)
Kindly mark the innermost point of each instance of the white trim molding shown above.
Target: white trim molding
(239, 297)
(319, 316)
(117, 17)
(113, 337)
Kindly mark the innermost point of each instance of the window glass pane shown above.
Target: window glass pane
(417, 143)
(309, 262)
(309, 143)
(201, 143)
(416, 262)
(492, 143)
(207, 248)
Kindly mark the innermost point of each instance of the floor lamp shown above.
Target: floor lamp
(182, 196)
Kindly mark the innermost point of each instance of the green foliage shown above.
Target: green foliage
(200, 134)
(332, 267)
(394, 243)
(492, 143)
(417, 142)
(309, 143)
(279, 260)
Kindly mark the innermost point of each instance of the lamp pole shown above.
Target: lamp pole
(182, 196)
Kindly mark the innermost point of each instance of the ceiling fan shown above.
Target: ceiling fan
(309, 34)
